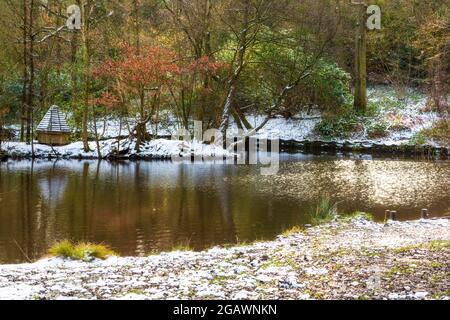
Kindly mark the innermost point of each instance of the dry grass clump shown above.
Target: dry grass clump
(82, 251)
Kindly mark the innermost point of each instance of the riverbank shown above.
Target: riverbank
(162, 149)
(358, 259)
(367, 147)
(159, 149)
(395, 125)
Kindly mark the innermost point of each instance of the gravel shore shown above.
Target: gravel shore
(357, 259)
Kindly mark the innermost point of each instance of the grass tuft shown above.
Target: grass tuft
(438, 245)
(82, 251)
(182, 248)
(325, 212)
(293, 230)
(435, 245)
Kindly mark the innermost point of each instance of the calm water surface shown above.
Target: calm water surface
(140, 207)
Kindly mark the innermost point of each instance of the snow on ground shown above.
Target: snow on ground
(112, 128)
(408, 112)
(155, 149)
(299, 128)
(358, 259)
(405, 117)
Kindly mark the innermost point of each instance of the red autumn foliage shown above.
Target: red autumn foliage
(107, 100)
(151, 68)
(205, 66)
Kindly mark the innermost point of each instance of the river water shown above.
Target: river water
(142, 207)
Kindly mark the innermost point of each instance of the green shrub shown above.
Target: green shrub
(328, 87)
(275, 65)
(378, 130)
(418, 139)
(440, 132)
(398, 125)
(339, 126)
(81, 251)
(382, 105)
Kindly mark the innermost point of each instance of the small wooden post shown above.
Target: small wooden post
(387, 214)
(425, 214)
(393, 215)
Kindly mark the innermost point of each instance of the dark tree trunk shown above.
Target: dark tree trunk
(238, 65)
(360, 102)
(23, 108)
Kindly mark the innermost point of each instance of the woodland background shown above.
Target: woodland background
(212, 60)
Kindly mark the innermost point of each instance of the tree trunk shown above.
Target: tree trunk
(25, 71)
(238, 65)
(97, 139)
(74, 77)
(360, 103)
(206, 44)
(439, 86)
(227, 108)
(141, 128)
(86, 66)
(242, 118)
(30, 93)
(1, 137)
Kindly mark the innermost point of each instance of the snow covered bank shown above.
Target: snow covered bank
(155, 149)
(343, 260)
(403, 117)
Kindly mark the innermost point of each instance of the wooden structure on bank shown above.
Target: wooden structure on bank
(53, 129)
